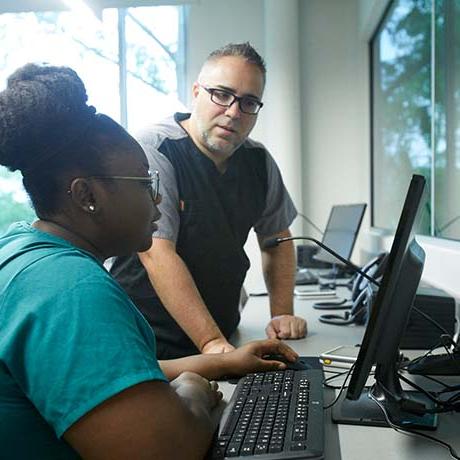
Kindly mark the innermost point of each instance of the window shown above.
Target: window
(415, 112)
(131, 63)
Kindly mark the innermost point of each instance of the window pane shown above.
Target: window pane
(14, 203)
(401, 109)
(91, 47)
(71, 39)
(152, 45)
(447, 127)
(59, 38)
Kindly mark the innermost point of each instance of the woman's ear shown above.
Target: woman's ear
(83, 195)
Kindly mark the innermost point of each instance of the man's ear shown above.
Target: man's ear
(195, 90)
(83, 195)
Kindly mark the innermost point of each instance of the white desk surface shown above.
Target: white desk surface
(346, 442)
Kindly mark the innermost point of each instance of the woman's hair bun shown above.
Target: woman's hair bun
(42, 108)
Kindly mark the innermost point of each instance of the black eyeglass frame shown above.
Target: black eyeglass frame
(153, 179)
(236, 98)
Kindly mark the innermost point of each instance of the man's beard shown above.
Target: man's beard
(215, 146)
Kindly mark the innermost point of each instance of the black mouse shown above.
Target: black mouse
(297, 365)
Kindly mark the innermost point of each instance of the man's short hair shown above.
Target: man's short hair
(244, 50)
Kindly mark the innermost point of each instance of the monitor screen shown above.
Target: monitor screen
(341, 231)
(386, 326)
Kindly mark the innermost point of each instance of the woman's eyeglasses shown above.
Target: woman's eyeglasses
(152, 180)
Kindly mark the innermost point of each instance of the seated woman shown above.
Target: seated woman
(78, 372)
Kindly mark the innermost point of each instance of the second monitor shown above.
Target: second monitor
(341, 232)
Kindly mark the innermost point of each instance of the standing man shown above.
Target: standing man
(217, 184)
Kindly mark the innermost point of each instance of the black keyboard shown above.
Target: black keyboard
(274, 415)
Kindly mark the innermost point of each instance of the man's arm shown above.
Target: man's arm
(278, 265)
(177, 290)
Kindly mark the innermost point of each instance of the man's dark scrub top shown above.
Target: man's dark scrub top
(216, 212)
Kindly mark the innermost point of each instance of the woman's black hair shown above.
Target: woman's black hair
(50, 133)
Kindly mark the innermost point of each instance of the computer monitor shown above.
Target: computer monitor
(340, 235)
(386, 326)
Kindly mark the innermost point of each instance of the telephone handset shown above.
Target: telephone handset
(362, 293)
(374, 268)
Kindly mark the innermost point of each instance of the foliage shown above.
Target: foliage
(13, 211)
(407, 126)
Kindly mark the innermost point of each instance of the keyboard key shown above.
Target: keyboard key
(298, 446)
(269, 414)
(232, 450)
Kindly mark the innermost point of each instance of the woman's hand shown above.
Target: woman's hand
(196, 391)
(245, 359)
(249, 357)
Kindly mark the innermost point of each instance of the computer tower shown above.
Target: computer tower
(421, 333)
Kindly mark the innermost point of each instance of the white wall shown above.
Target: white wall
(335, 108)
(213, 23)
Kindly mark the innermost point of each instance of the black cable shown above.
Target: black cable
(430, 319)
(454, 398)
(447, 405)
(341, 388)
(330, 371)
(427, 353)
(447, 388)
(420, 389)
(408, 432)
(337, 374)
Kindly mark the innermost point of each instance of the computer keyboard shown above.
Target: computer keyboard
(273, 415)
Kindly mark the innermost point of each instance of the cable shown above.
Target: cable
(408, 432)
(447, 388)
(431, 320)
(419, 358)
(330, 371)
(332, 377)
(420, 389)
(341, 388)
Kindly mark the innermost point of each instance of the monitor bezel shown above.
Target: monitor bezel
(369, 346)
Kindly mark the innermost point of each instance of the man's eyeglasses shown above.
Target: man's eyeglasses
(152, 181)
(224, 98)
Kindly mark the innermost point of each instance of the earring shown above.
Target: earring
(92, 208)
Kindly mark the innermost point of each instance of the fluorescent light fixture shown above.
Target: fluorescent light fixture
(84, 7)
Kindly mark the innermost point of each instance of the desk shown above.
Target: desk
(346, 442)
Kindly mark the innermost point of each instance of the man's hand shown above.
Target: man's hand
(217, 346)
(249, 357)
(286, 327)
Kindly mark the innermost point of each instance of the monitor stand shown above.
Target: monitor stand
(365, 411)
(406, 409)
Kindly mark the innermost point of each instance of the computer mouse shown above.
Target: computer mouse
(297, 365)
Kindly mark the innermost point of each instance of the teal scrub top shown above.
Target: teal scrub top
(70, 338)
